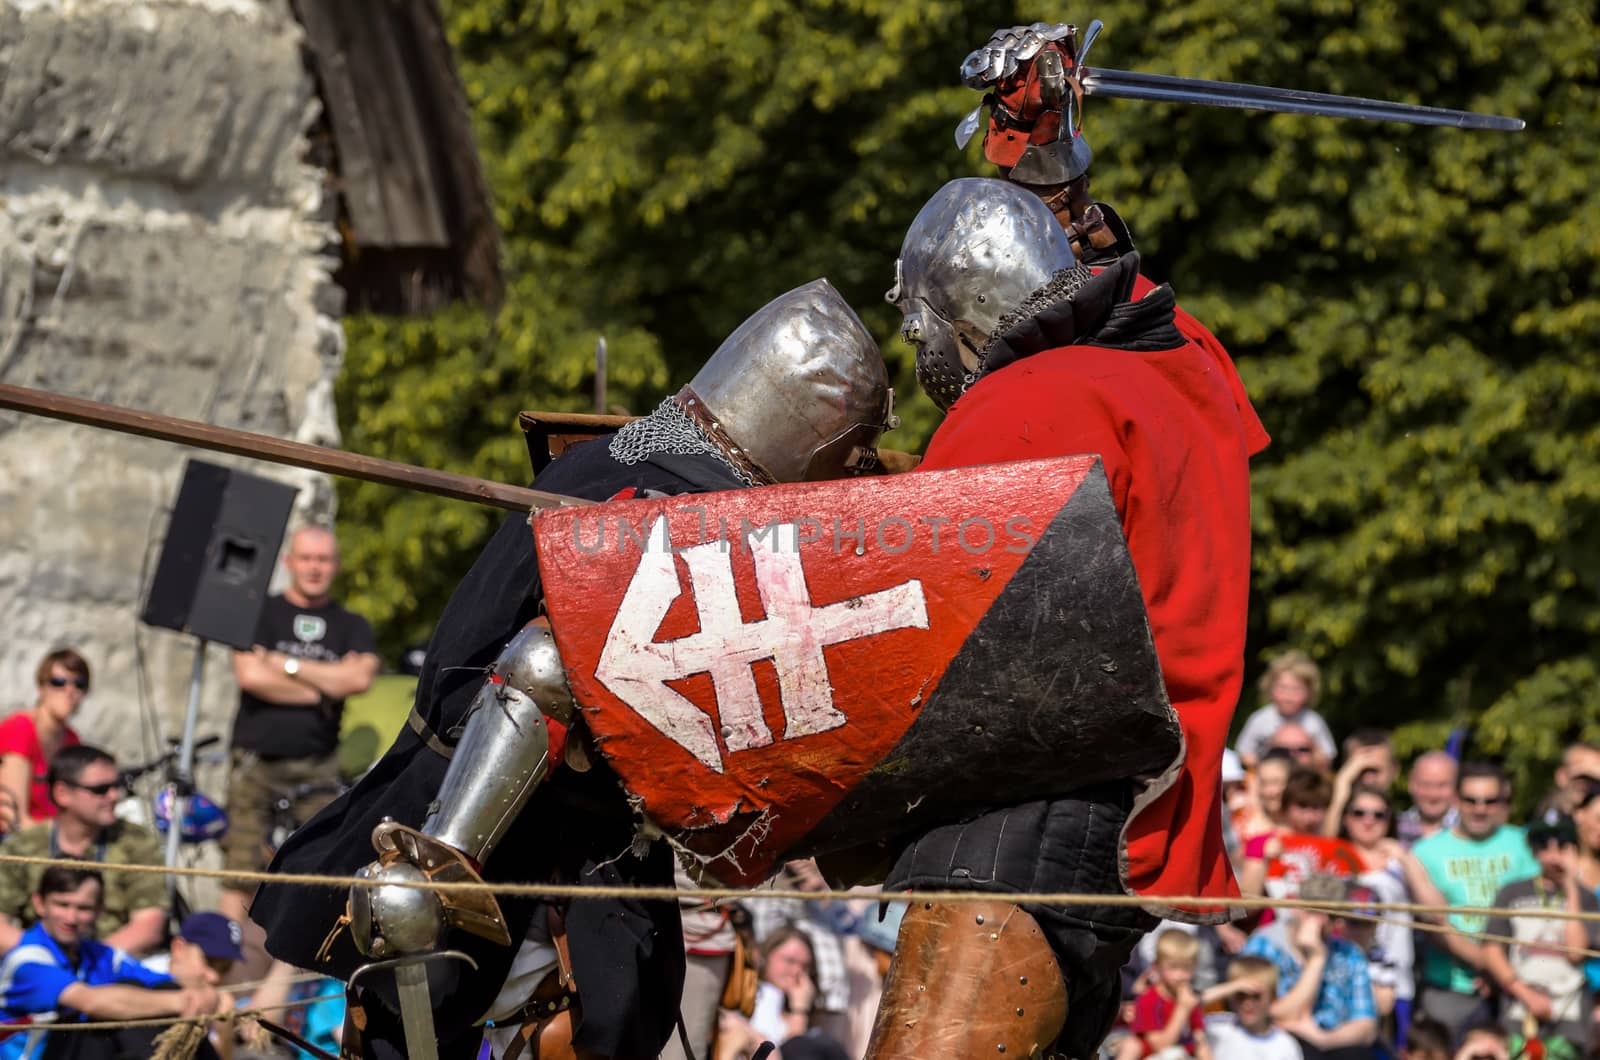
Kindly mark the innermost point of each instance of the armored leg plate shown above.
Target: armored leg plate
(969, 979)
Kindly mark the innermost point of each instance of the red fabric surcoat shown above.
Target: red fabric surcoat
(1175, 431)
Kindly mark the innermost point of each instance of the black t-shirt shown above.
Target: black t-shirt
(324, 634)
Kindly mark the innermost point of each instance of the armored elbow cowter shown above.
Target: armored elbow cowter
(516, 733)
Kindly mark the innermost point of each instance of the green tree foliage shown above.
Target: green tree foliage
(1419, 313)
(1414, 310)
(660, 171)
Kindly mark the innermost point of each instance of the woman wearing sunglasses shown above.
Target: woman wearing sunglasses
(29, 738)
(1368, 823)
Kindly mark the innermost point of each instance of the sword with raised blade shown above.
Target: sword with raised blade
(1009, 50)
(1164, 88)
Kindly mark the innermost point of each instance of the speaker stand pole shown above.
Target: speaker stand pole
(181, 784)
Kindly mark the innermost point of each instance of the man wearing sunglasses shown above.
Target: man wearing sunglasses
(1300, 744)
(85, 783)
(1466, 866)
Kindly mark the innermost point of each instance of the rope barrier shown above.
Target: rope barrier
(251, 985)
(1476, 936)
(669, 893)
(1375, 912)
(242, 1014)
(230, 1016)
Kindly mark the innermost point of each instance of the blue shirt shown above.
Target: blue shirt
(34, 974)
(1469, 872)
(324, 1019)
(318, 1022)
(1345, 992)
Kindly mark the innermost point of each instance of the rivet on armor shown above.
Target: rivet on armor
(922, 989)
(1023, 980)
(1019, 1010)
(927, 905)
(1002, 1047)
(980, 918)
(994, 936)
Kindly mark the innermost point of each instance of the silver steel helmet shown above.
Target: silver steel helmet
(799, 388)
(976, 251)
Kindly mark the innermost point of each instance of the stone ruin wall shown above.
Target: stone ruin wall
(162, 246)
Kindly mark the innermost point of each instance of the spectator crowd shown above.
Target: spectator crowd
(1322, 821)
(1307, 817)
(79, 943)
(1310, 817)
(107, 944)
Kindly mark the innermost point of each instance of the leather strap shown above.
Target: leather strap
(547, 1017)
(546, 1023)
(557, 919)
(683, 1037)
(426, 734)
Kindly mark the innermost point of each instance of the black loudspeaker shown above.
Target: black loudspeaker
(217, 560)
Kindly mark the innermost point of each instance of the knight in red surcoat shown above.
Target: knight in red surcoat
(1036, 354)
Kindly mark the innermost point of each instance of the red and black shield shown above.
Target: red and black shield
(799, 668)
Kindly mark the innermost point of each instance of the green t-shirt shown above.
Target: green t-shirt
(123, 844)
(1469, 872)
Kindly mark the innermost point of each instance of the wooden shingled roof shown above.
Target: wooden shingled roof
(396, 138)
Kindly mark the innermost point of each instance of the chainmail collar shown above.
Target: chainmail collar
(1062, 286)
(682, 426)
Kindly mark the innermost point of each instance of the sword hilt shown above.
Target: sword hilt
(410, 959)
(416, 1007)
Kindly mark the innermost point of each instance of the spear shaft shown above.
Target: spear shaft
(277, 450)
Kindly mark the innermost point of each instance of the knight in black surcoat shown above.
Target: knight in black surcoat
(490, 777)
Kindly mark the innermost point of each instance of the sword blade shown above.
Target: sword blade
(416, 1011)
(278, 1031)
(276, 450)
(1163, 88)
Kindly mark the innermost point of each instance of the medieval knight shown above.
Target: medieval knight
(798, 392)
